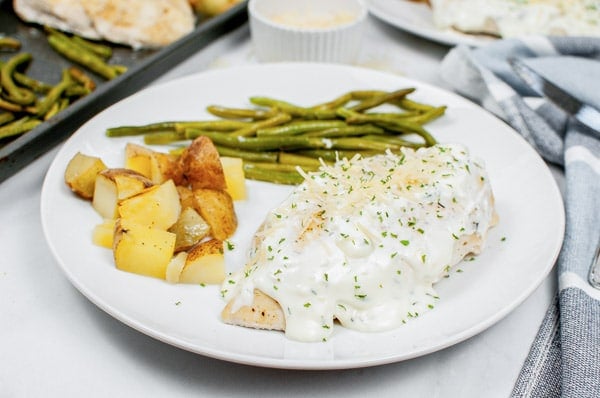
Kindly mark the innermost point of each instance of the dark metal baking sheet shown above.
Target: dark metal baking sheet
(144, 66)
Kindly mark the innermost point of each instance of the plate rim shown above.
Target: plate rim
(283, 363)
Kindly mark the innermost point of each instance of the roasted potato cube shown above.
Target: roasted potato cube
(129, 182)
(103, 233)
(175, 266)
(204, 264)
(190, 229)
(201, 166)
(81, 172)
(113, 185)
(234, 177)
(141, 249)
(163, 167)
(137, 158)
(105, 197)
(216, 208)
(186, 196)
(157, 206)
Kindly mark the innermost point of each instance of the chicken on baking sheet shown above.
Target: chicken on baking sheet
(135, 23)
(363, 242)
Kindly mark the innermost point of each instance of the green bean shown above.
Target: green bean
(75, 90)
(252, 128)
(120, 69)
(347, 131)
(299, 160)
(287, 167)
(428, 115)
(73, 52)
(18, 127)
(254, 171)
(10, 106)
(377, 100)
(292, 142)
(394, 115)
(394, 124)
(99, 49)
(52, 111)
(236, 113)
(360, 144)
(353, 117)
(211, 125)
(359, 95)
(15, 94)
(284, 106)
(82, 78)
(248, 155)
(34, 85)
(395, 141)
(335, 103)
(123, 131)
(408, 127)
(45, 104)
(9, 43)
(299, 127)
(294, 110)
(364, 94)
(411, 105)
(163, 137)
(63, 103)
(333, 155)
(266, 143)
(195, 127)
(192, 133)
(6, 117)
(404, 102)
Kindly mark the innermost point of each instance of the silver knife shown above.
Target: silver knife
(584, 113)
(594, 275)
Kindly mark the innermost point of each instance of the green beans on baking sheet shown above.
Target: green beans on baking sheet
(91, 56)
(9, 44)
(275, 136)
(26, 102)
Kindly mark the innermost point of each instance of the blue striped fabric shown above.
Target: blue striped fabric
(564, 359)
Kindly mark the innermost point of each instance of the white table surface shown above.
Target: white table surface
(54, 342)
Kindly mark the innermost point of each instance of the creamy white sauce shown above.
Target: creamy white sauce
(313, 20)
(364, 241)
(509, 18)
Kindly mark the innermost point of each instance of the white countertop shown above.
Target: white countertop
(54, 342)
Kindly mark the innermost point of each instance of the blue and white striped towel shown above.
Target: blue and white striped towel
(564, 359)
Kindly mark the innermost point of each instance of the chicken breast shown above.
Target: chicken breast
(136, 23)
(510, 18)
(363, 242)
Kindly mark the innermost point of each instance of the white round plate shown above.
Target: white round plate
(519, 254)
(416, 18)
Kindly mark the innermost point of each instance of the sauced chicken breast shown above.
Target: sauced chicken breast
(136, 23)
(509, 18)
(363, 242)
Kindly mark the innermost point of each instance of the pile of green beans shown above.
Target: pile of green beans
(275, 137)
(26, 102)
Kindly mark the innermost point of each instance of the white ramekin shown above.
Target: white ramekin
(337, 40)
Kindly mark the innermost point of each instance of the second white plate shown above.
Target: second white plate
(520, 252)
(416, 18)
